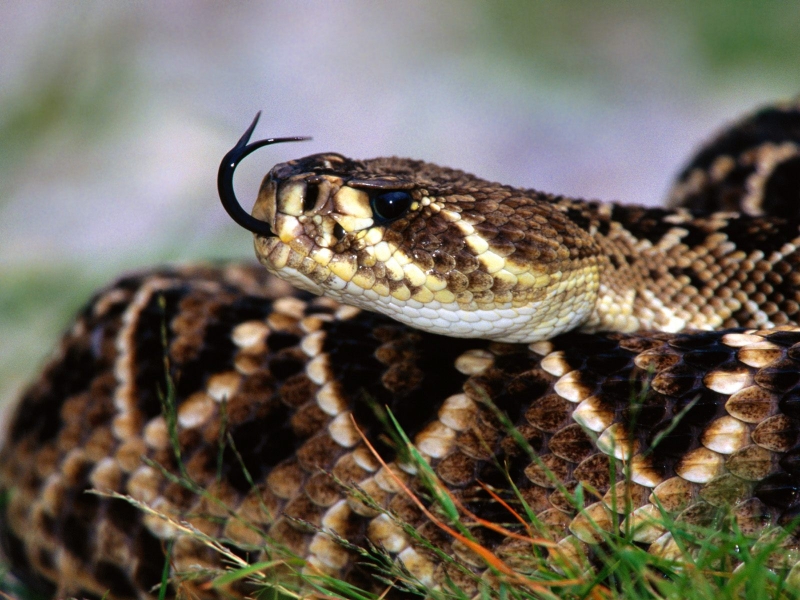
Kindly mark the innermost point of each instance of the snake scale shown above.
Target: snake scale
(648, 359)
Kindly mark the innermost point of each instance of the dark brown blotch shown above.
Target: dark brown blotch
(751, 463)
(323, 490)
(479, 441)
(780, 376)
(644, 412)
(725, 490)
(308, 420)
(779, 490)
(549, 412)
(535, 497)
(297, 390)
(318, 453)
(753, 404)
(304, 514)
(701, 514)
(709, 358)
(457, 469)
(694, 340)
(549, 471)
(778, 433)
(609, 363)
(565, 498)
(402, 378)
(675, 381)
(571, 443)
(657, 360)
(296, 540)
(595, 472)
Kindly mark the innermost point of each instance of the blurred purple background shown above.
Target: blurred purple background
(114, 116)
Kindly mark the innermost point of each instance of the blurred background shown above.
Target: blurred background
(114, 115)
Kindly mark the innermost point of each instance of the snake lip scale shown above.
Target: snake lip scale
(644, 354)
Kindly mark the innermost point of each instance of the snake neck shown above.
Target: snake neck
(673, 270)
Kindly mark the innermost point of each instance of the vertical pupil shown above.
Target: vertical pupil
(310, 198)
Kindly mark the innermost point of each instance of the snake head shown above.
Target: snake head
(432, 247)
(338, 223)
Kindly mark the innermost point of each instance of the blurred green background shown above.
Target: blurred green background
(113, 116)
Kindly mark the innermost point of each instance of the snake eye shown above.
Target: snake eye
(390, 206)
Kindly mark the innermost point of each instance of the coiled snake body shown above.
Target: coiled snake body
(226, 405)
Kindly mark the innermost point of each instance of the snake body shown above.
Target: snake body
(273, 403)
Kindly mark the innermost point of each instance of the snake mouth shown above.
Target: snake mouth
(225, 179)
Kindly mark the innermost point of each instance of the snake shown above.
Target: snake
(423, 338)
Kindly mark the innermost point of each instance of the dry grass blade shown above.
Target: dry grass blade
(487, 555)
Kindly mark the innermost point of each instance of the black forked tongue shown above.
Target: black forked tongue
(225, 178)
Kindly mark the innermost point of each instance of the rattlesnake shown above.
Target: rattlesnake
(271, 400)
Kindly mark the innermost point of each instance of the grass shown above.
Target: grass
(716, 560)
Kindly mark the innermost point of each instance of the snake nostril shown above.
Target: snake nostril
(310, 197)
(338, 232)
